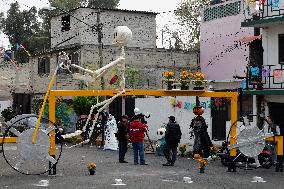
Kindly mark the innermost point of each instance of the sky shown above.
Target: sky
(164, 7)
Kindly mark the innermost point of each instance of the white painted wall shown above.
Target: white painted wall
(270, 47)
(160, 109)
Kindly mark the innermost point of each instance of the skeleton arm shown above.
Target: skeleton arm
(100, 70)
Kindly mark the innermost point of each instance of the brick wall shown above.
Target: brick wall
(149, 63)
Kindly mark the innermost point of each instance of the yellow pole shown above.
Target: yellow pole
(279, 140)
(233, 133)
(52, 100)
(43, 105)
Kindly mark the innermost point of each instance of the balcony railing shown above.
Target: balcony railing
(263, 10)
(266, 77)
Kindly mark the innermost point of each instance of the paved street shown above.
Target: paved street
(73, 174)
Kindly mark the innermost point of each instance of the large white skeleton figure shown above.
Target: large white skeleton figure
(122, 36)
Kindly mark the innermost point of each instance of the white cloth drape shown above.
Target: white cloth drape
(111, 141)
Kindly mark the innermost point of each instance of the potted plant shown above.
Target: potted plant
(92, 167)
(169, 76)
(184, 76)
(182, 150)
(198, 80)
(202, 162)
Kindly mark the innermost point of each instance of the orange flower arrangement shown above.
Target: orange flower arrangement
(199, 76)
(202, 162)
(169, 75)
(184, 75)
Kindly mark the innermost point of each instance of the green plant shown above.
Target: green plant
(182, 150)
(82, 104)
(8, 113)
(132, 77)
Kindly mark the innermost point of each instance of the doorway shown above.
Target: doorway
(276, 112)
(219, 113)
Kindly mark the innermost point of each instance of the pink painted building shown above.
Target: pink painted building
(221, 55)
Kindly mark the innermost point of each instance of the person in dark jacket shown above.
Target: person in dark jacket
(121, 135)
(136, 137)
(202, 142)
(172, 138)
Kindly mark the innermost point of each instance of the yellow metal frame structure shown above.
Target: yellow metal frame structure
(279, 143)
(233, 96)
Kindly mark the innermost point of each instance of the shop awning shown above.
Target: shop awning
(250, 38)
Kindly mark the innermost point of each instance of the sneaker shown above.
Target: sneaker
(144, 164)
(123, 161)
(167, 164)
(136, 163)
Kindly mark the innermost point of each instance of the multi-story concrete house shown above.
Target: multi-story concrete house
(76, 33)
(224, 55)
(268, 17)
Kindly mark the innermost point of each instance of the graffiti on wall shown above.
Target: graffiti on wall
(216, 103)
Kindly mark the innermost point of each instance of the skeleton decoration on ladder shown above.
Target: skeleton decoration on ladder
(122, 37)
(33, 152)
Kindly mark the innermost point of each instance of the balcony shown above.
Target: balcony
(265, 77)
(263, 13)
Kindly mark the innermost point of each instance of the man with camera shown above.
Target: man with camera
(136, 136)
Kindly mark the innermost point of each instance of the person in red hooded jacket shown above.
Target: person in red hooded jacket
(136, 137)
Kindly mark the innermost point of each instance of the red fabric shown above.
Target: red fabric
(136, 131)
(113, 80)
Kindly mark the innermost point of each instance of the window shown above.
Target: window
(281, 48)
(65, 21)
(74, 57)
(43, 65)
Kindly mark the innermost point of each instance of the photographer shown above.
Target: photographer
(136, 137)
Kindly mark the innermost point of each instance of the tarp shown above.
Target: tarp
(248, 39)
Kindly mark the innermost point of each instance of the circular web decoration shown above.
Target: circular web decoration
(251, 145)
(25, 157)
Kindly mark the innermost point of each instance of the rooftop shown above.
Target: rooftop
(105, 9)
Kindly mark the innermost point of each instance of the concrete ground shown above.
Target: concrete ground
(73, 174)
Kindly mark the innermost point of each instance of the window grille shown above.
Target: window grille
(221, 11)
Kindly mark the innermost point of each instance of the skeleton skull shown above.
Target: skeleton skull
(122, 35)
(161, 132)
